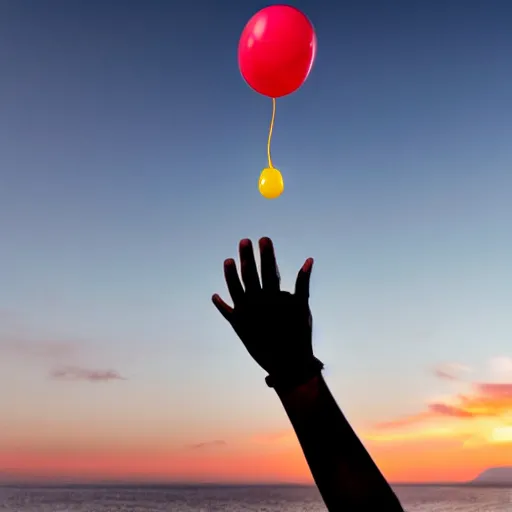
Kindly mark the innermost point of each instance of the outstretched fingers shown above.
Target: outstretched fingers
(233, 281)
(269, 270)
(235, 289)
(303, 280)
(248, 265)
(225, 310)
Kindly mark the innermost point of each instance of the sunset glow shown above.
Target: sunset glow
(502, 435)
(468, 431)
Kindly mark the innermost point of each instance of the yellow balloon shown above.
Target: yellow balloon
(271, 184)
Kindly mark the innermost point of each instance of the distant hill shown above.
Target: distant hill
(494, 476)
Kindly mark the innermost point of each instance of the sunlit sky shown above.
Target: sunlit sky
(130, 150)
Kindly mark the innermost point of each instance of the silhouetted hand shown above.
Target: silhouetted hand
(274, 326)
(276, 329)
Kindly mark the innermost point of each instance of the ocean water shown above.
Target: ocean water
(236, 499)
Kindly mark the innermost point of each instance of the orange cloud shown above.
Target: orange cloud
(449, 410)
(468, 432)
(487, 400)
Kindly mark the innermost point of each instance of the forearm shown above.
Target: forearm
(344, 472)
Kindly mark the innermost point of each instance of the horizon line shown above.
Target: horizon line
(178, 484)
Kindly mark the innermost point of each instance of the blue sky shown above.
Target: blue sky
(130, 150)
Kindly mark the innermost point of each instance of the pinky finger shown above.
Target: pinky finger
(303, 278)
(225, 310)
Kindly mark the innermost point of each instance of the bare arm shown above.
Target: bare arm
(276, 329)
(344, 472)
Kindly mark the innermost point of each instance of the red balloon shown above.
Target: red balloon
(276, 50)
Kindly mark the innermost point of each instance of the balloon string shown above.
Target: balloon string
(270, 132)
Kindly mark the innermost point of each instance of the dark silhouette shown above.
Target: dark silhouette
(276, 329)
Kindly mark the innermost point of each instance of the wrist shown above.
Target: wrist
(291, 379)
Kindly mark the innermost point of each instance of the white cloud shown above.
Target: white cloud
(501, 366)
